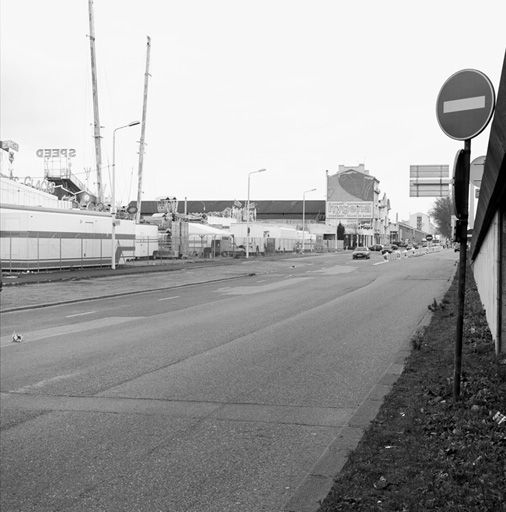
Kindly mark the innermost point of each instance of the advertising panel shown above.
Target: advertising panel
(349, 210)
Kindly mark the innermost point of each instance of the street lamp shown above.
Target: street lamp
(304, 215)
(113, 192)
(247, 211)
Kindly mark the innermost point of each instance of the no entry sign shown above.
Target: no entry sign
(465, 104)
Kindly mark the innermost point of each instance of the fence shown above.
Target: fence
(32, 251)
(39, 251)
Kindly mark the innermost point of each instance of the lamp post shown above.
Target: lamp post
(357, 225)
(113, 192)
(304, 215)
(247, 211)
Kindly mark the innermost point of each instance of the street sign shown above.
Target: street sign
(428, 171)
(132, 210)
(465, 104)
(429, 238)
(429, 188)
(476, 171)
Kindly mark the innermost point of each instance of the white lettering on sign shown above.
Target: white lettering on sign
(56, 153)
(44, 185)
(463, 104)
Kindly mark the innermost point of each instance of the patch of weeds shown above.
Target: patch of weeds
(425, 452)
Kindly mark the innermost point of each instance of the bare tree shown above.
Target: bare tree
(442, 212)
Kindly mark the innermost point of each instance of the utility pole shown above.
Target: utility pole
(143, 130)
(96, 117)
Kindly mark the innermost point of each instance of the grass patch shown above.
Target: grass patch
(423, 451)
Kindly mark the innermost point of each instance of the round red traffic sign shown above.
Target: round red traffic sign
(465, 104)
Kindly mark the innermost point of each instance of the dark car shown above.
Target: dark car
(389, 249)
(376, 247)
(361, 253)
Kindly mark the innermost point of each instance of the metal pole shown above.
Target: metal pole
(143, 130)
(247, 211)
(113, 192)
(357, 227)
(113, 201)
(247, 219)
(96, 117)
(461, 293)
(304, 217)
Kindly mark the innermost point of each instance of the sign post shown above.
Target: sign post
(464, 107)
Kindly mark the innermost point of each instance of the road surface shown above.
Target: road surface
(218, 396)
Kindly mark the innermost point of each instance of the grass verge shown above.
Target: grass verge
(423, 451)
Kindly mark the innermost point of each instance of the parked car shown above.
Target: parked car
(376, 247)
(361, 252)
(389, 249)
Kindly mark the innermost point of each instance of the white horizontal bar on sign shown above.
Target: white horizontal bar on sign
(464, 104)
(429, 182)
(428, 171)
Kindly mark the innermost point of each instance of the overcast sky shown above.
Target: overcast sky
(296, 87)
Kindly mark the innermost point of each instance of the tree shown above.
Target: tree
(340, 231)
(442, 212)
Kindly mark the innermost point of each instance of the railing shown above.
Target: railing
(29, 251)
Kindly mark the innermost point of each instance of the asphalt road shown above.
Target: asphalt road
(220, 390)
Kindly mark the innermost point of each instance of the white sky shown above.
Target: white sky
(293, 86)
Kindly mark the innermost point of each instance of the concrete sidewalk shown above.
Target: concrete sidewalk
(134, 267)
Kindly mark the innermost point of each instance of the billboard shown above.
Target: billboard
(349, 210)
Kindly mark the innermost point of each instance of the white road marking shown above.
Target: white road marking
(169, 298)
(81, 314)
(262, 281)
(464, 104)
(42, 383)
(381, 262)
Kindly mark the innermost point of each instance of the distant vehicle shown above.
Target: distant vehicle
(456, 247)
(360, 253)
(401, 244)
(376, 247)
(389, 249)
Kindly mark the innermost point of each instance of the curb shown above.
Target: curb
(121, 294)
(315, 487)
(125, 271)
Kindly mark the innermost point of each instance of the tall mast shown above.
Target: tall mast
(143, 130)
(96, 117)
